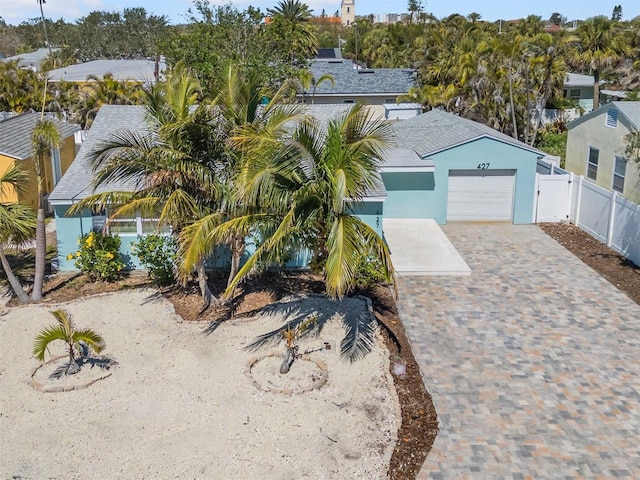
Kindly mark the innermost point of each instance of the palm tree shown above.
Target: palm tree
(44, 26)
(17, 224)
(242, 118)
(173, 166)
(44, 138)
(599, 46)
(309, 81)
(308, 189)
(292, 10)
(65, 330)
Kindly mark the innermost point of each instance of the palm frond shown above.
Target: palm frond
(45, 337)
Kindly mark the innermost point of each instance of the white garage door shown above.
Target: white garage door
(480, 195)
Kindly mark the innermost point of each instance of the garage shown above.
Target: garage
(480, 195)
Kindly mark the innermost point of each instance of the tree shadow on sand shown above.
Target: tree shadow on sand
(355, 314)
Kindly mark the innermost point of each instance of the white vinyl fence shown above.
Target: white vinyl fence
(604, 214)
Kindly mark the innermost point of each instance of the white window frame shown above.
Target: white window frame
(611, 118)
(139, 229)
(595, 177)
(615, 175)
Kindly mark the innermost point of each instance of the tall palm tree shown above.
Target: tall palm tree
(599, 46)
(308, 190)
(242, 118)
(44, 138)
(173, 166)
(292, 34)
(17, 224)
(44, 26)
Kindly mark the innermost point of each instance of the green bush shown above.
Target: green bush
(369, 273)
(158, 254)
(98, 256)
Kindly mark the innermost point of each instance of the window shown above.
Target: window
(348, 10)
(348, 100)
(56, 166)
(612, 118)
(619, 169)
(137, 226)
(592, 163)
(573, 93)
(389, 100)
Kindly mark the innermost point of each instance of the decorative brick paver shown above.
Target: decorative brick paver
(533, 361)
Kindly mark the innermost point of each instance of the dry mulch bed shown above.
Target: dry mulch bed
(622, 273)
(419, 420)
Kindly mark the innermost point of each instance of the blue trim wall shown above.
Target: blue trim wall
(424, 195)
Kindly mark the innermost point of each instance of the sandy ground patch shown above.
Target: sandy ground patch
(179, 405)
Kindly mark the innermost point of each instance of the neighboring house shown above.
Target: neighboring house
(374, 87)
(580, 88)
(15, 148)
(595, 148)
(441, 167)
(31, 60)
(135, 71)
(461, 171)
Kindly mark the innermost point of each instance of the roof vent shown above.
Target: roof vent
(335, 61)
(363, 70)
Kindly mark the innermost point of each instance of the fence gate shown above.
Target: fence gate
(553, 198)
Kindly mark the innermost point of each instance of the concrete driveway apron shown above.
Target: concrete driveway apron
(532, 361)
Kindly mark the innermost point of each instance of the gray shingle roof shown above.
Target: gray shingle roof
(122, 70)
(31, 59)
(76, 182)
(578, 80)
(15, 134)
(631, 110)
(349, 81)
(436, 130)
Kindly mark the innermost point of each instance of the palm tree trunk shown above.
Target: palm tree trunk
(44, 25)
(207, 296)
(513, 110)
(596, 88)
(13, 280)
(41, 254)
(237, 250)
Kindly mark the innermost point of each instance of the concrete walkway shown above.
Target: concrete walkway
(533, 361)
(419, 247)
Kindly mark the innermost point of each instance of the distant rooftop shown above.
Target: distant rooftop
(122, 70)
(578, 80)
(351, 81)
(328, 54)
(15, 134)
(31, 60)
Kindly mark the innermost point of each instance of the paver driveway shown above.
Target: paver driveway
(532, 361)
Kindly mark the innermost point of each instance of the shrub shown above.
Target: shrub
(99, 256)
(158, 254)
(369, 273)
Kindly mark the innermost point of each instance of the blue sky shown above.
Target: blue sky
(16, 11)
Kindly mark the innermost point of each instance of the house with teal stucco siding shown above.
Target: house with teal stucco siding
(470, 172)
(441, 167)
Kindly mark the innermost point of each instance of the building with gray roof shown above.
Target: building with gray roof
(596, 148)
(31, 60)
(138, 71)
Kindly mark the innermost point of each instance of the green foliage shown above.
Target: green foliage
(553, 140)
(66, 331)
(369, 273)
(158, 254)
(99, 256)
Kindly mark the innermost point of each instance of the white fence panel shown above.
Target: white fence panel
(594, 210)
(553, 200)
(625, 234)
(603, 214)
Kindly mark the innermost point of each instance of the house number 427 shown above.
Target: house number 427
(483, 166)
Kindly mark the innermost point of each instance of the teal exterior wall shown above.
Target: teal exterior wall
(370, 213)
(70, 229)
(424, 195)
